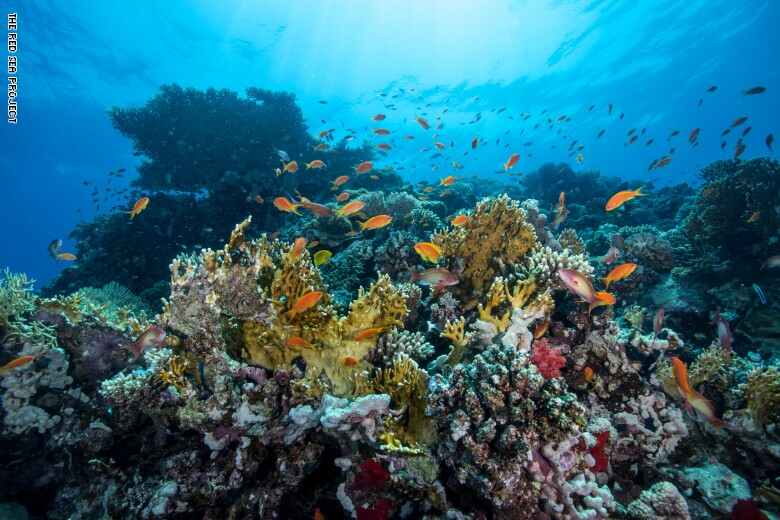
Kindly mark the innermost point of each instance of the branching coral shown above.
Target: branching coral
(406, 384)
(246, 294)
(496, 236)
(16, 296)
(543, 263)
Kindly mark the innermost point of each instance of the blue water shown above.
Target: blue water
(652, 59)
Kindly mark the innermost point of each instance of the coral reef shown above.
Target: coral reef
(271, 386)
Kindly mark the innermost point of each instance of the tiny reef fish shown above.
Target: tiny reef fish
(306, 302)
(428, 251)
(693, 399)
(619, 273)
(376, 222)
(621, 197)
(153, 336)
(284, 204)
(140, 205)
(16, 363)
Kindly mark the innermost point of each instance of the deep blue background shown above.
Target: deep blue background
(653, 59)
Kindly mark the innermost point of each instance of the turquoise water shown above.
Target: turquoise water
(390, 260)
(652, 60)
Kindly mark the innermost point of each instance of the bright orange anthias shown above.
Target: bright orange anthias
(693, 399)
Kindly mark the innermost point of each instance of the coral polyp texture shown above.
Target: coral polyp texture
(462, 357)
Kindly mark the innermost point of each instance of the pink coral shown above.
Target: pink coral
(547, 359)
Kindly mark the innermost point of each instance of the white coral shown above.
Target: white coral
(543, 262)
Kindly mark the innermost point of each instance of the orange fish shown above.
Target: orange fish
(383, 146)
(440, 146)
(16, 363)
(693, 399)
(381, 131)
(66, 257)
(320, 210)
(318, 514)
(364, 167)
(291, 167)
(754, 217)
(283, 204)
(621, 197)
(459, 220)
(601, 298)
(339, 181)
(350, 208)
(429, 251)
(368, 333)
(448, 181)
(138, 207)
(378, 117)
(620, 272)
(316, 164)
(306, 302)
(588, 374)
(297, 341)
(322, 147)
(349, 361)
(341, 197)
(541, 329)
(326, 134)
(422, 122)
(376, 222)
(511, 161)
(298, 247)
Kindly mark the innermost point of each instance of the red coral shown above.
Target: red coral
(747, 510)
(379, 511)
(371, 476)
(547, 359)
(599, 453)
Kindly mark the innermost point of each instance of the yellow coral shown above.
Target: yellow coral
(407, 385)
(456, 333)
(173, 374)
(496, 297)
(762, 392)
(496, 236)
(245, 293)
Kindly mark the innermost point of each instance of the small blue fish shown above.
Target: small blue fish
(760, 293)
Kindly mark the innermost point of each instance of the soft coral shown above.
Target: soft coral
(547, 359)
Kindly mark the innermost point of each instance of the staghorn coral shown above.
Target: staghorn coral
(247, 292)
(496, 236)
